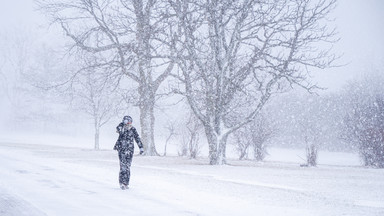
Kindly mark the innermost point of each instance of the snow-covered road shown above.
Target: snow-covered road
(49, 180)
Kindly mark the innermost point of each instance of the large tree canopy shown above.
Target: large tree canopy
(236, 54)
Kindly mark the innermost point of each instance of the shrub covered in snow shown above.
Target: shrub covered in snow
(364, 121)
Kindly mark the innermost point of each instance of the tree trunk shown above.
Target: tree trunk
(222, 150)
(258, 152)
(311, 155)
(217, 147)
(166, 144)
(97, 135)
(243, 153)
(147, 121)
(165, 150)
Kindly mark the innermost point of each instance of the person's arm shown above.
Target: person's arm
(117, 146)
(119, 128)
(138, 140)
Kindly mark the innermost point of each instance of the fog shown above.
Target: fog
(25, 32)
(360, 28)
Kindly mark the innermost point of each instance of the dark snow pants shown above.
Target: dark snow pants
(125, 157)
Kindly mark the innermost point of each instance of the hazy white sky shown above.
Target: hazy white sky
(18, 12)
(360, 23)
(361, 27)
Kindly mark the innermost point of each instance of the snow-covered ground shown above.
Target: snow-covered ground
(53, 180)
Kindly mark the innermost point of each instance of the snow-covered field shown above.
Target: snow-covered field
(53, 180)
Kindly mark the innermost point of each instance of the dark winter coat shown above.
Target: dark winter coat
(127, 135)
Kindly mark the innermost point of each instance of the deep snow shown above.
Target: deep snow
(53, 180)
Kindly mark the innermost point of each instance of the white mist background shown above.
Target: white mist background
(359, 23)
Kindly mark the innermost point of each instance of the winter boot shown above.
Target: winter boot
(123, 186)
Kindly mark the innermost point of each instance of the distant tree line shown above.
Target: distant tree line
(351, 119)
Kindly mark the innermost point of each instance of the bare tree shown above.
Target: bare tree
(254, 135)
(311, 132)
(242, 142)
(89, 90)
(183, 148)
(306, 119)
(16, 53)
(96, 95)
(262, 130)
(170, 127)
(129, 34)
(190, 133)
(194, 134)
(235, 54)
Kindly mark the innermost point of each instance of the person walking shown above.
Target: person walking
(125, 149)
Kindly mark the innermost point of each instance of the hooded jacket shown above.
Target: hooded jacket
(127, 135)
